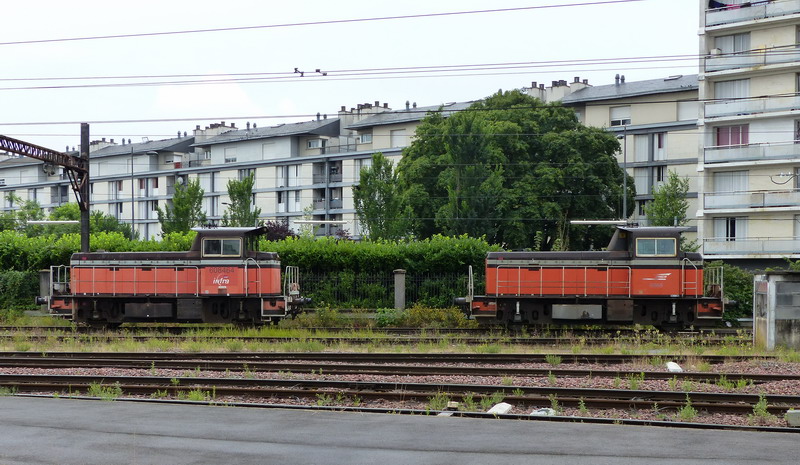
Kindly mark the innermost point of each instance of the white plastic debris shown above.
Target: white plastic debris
(673, 367)
(452, 405)
(544, 412)
(793, 417)
(501, 409)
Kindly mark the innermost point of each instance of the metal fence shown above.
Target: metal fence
(371, 291)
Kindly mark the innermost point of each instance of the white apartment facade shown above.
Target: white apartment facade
(750, 143)
(656, 122)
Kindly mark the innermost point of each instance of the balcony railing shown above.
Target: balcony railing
(321, 231)
(751, 199)
(756, 10)
(336, 203)
(720, 108)
(731, 153)
(769, 56)
(319, 204)
(320, 178)
(752, 246)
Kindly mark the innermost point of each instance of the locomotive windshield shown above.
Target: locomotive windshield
(222, 247)
(656, 247)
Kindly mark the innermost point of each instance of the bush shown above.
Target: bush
(738, 286)
(426, 317)
(17, 292)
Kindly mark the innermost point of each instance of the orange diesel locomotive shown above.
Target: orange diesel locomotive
(222, 278)
(642, 277)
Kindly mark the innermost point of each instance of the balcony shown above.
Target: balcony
(723, 108)
(735, 14)
(319, 204)
(751, 199)
(320, 178)
(752, 246)
(336, 203)
(733, 153)
(770, 56)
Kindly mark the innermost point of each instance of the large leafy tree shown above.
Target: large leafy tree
(241, 212)
(377, 200)
(669, 204)
(186, 211)
(514, 170)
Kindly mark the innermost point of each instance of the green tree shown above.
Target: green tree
(516, 171)
(377, 200)
(98, 222)
(186, 211)
(669, 204)
(241, 212)
(25, 211)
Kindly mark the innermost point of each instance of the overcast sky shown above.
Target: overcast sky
(569, 34)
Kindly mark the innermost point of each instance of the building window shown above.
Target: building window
(315, 143)
(642, 207)
(620, 116)
(659, 173)
(365, 138)
(730, 228)
(246, 173)
(736, 43)
(732, 135)
(730, 181)
(739, 88)
(398, 138)
(230, 155)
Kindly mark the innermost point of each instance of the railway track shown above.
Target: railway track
(385, 357)
(377, 369)
(347, 391)
(367, 382)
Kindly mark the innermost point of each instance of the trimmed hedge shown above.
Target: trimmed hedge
(17, 290)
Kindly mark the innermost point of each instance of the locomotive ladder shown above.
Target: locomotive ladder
(688, 286)
(257, 281)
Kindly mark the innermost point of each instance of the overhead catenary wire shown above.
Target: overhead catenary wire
(315, 23)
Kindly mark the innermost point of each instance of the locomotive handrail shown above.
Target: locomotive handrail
(684, 283)
(115, 282)
(247, 277)
(609, 284)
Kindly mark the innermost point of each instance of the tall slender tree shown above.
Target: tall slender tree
(377, 200)
(241, 211)
(186, 211)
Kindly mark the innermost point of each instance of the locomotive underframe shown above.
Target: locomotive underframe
(543, 310)
(114, 310)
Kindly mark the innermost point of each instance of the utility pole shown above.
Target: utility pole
(83, 195)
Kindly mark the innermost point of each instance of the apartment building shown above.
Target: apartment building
(750, 123)
(656, 122)
(304, 172)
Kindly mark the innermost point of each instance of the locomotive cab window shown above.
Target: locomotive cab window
(222, 247)
(656, 247)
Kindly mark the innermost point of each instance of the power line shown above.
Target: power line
(315, 23)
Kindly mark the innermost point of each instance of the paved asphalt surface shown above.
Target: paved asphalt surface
(64, 431)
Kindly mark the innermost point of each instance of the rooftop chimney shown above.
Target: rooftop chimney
(248, 125)
(616, 79)
(622, 79)
(408, 104)
(318, 116)
(415, 105)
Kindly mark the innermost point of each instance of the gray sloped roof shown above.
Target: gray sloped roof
(323, 127)
(407, 116)
(633, 89)
(178, 144)
(18, 161)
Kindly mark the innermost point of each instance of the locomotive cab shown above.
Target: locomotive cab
(222, 278)
(642, 277)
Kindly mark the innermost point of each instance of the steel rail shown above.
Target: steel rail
(372, 369)
(522, 395)
(377, 357)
